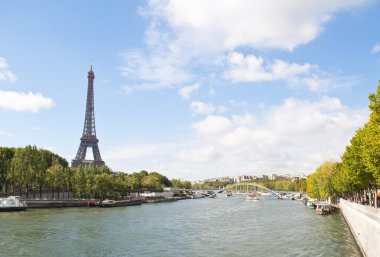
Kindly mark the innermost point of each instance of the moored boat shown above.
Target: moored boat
(311, 204)
(12, 203)
(252, 197)
(323, 208)
(106, 203)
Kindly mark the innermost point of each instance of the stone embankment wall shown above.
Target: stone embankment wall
(56, 203)
(364, 222)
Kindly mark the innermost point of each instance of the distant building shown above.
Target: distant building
(243, 178)
(273, 177)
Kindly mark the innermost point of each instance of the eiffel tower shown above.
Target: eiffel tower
(88, 138)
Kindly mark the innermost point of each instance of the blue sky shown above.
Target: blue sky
(191, 89)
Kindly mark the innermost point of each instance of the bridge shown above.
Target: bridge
(256, 185)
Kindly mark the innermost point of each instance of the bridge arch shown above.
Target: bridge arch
(257, 185)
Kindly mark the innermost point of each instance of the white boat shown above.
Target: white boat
(12, 203)
(106, 203)
(323, 208)
(252, 197)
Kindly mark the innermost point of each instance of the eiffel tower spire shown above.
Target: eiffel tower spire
(88, 138)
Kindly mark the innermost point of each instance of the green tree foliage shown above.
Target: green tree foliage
(32, 169)
(6, 155)
(104, 185)
(19, 169)
(360, 167)
(320, 183)
(312, 186)
(122, 184)
(284, 184)
(80, 182)
(177, 183)
(56, 177)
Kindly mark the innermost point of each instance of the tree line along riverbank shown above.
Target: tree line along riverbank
(39, 173)
(357, 176)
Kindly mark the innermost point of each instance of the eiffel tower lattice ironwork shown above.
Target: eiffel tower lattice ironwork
(88, 138)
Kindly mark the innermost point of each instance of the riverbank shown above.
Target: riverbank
(67, 203)
(364, 222)
(165, 199)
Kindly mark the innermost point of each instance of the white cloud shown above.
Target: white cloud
(203, 154)
(6, 74)
(205, 108)
(295, 136)
(254, 69)
(376, 48)
(185, 38)
(226, 24)
(249, 68)
(213, 125)
(186, 92)
(155, 70)
(24, 102)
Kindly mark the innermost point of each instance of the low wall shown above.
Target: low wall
(364, 222)
(56, 203)
(157, 194)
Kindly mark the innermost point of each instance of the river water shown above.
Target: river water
(223, 226)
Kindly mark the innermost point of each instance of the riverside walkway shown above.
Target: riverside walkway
(364, 222)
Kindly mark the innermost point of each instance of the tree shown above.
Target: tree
(312, 186)
(355, 174)
(371, 149)
(19, 166)
(122, 184)
(6, 155)
(69, 180)
(136, 181)
(55, 177)
(80, 181)
(320, 184)
(91, 171)
(152, 182)
(177, 183)
(103, 185)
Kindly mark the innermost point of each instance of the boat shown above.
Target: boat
(311, 204)
(12, 203)
(106, 203)
(229, 194)
(197, 195)
(323, 208)
(252, 197)
(212, 195)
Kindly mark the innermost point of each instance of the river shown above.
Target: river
(223, 226)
